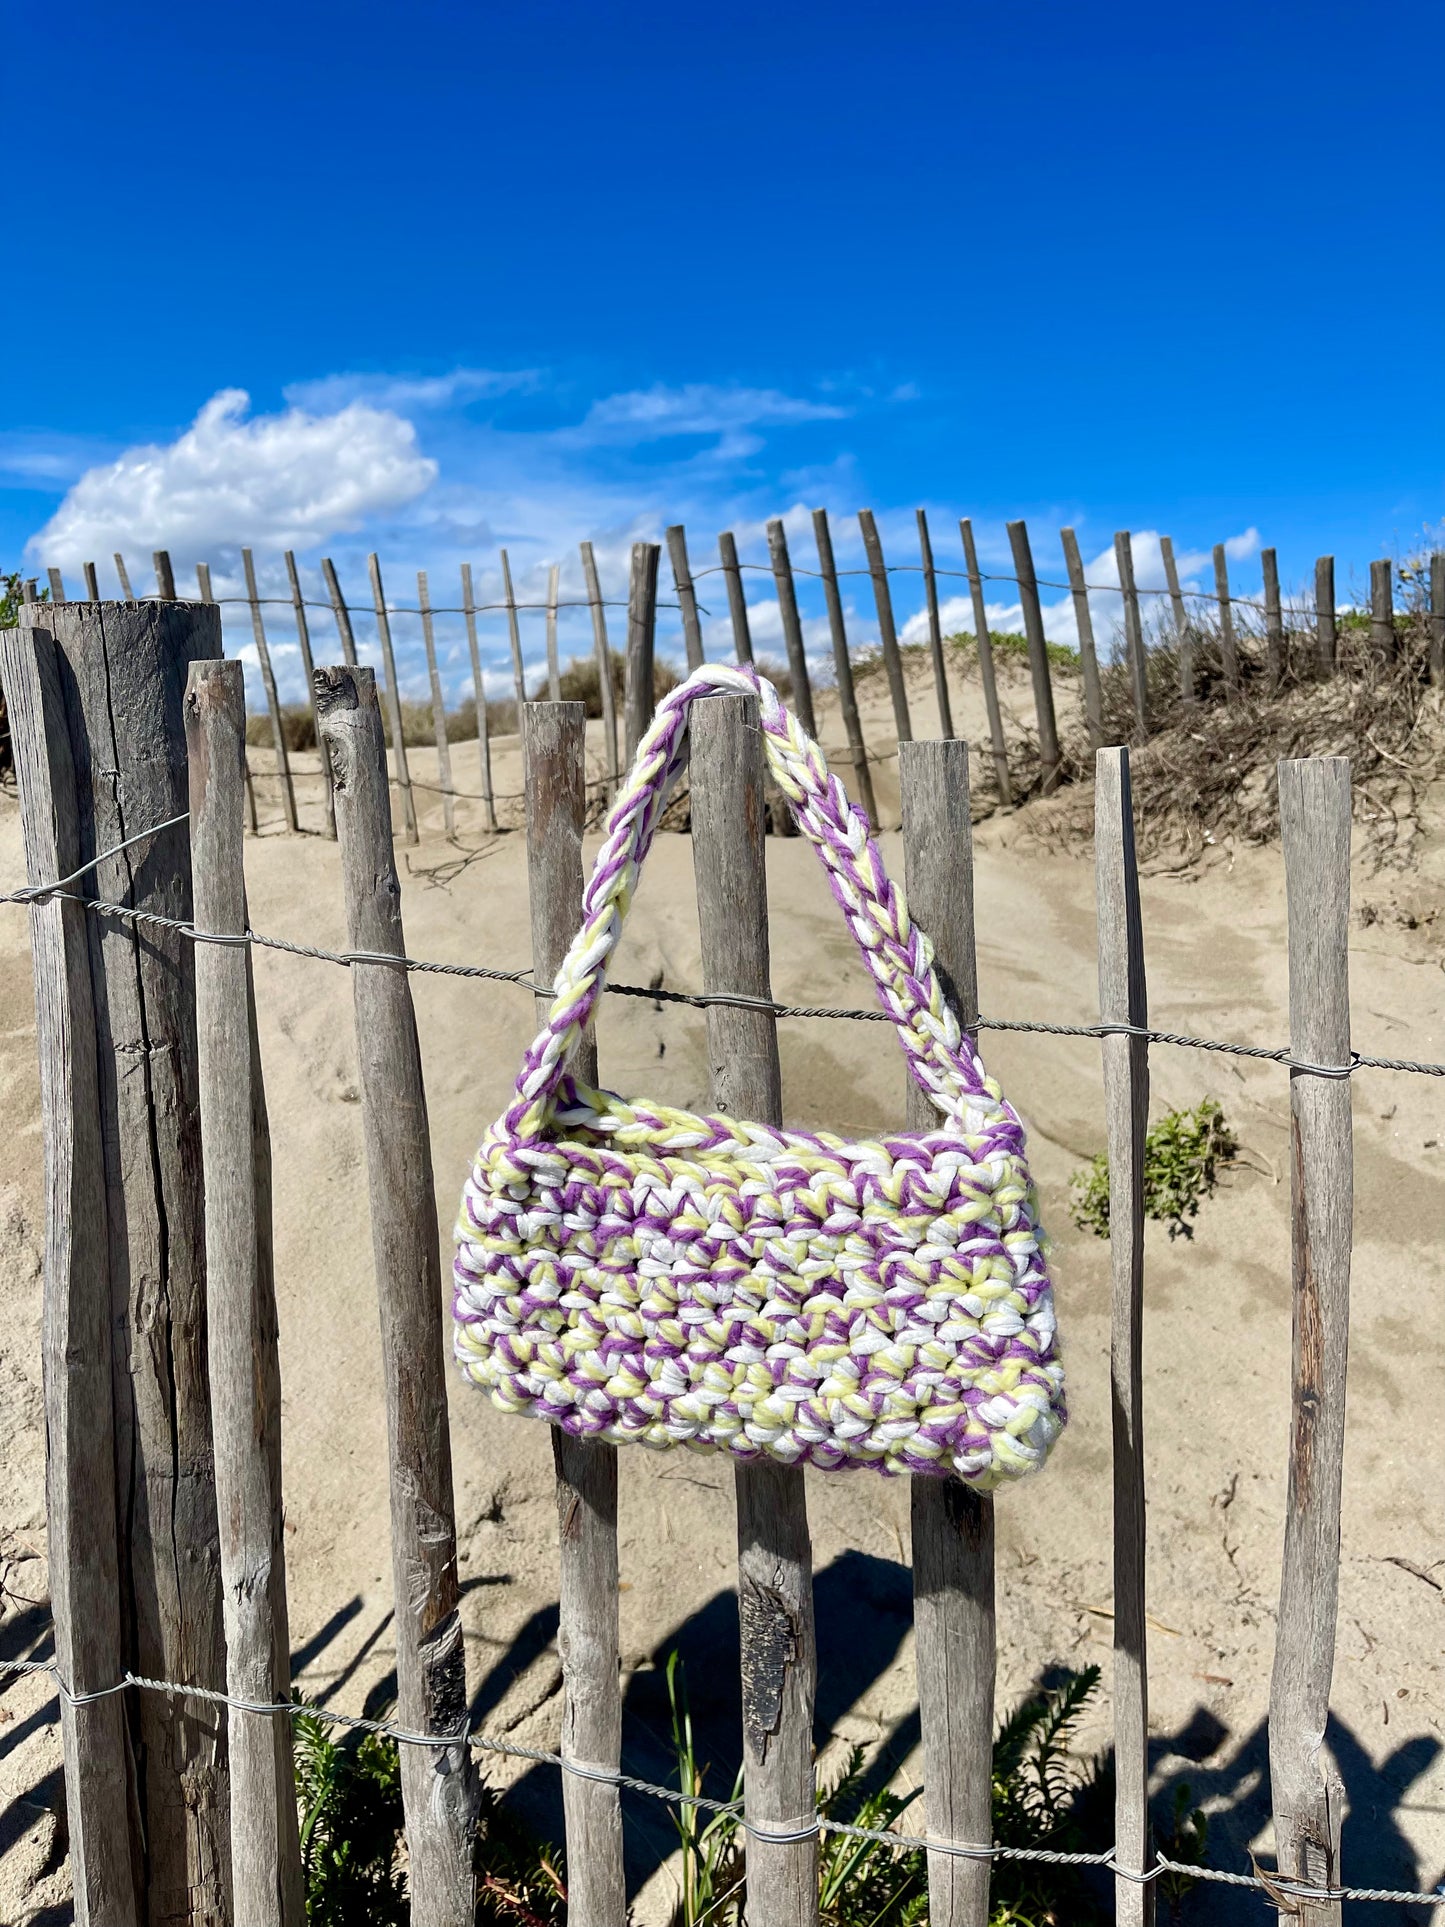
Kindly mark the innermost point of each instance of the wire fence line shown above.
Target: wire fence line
(698, 1000)
(1274, 1886)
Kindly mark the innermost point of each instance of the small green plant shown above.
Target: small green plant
(1184, 1839)
(1182, 1156)
(712, 1863)
(349, 1799)
(1006, 644)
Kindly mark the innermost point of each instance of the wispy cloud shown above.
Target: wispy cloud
(697, 408)
(405, 393)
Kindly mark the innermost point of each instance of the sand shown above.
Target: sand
(1217, 1367)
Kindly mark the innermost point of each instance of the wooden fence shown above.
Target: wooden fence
(1217, 617)
(129, 736)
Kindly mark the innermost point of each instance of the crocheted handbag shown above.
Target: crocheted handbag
(633, 1272)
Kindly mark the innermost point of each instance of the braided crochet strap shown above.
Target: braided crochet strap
(899, 956)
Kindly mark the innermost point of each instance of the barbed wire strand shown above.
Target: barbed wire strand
(1275, 1885)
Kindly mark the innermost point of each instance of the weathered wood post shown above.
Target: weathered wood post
(438, 706)
(637, 700)
(554, 667)
(792, 625)
(935, 626)
(1123, 1000)
(484, 740)
(203, 586)
(1133, 628)
(887, 630)
(122, 577)
(1273, 621)
(242, 1330)
(554, 746)
(165, 576)
(1437, 619)
(953, 1527)
(1382, 609)
(775, 1569)
(686, 595)
(439, 1784)
(983, 642)
(273, 701)
(1183, 635)
(737, 602)
(76, 1349)
(606, 693)
(1018, 536)
(308, 669)
(1307, 1796)
(57, 585)
(392, 696)
(1326, 635)
(345, 634)
(92, 583)
(514, 636)
(122, 676)
(1228, 650)
(842, 665)
(1084, 626)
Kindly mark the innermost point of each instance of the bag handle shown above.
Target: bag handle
(898, 955)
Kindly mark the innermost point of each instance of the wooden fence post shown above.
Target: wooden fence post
(686, 595)
(1183, 635)
(554, 759)
(122, 577)
(308, 669)
(241, 1323)
(1274, 658)
(203, 585)
(1084, 625)
(953, 1526)
(606, 691)
(393, 697)
(1382, 608)
(887, 631)
(842, 666)
(1228, 649)
(438, 706)
(484, 740)
(57, 585)
(1308, 1799)
(1326, 634)
(935, 627)
(92, 582)
(792, 626)
(1133, 628)
(273, 701)
(29, 590)
(165, 575)
(339, 609)
(76, 1350)
(554, 667)
(737, 602)
(439, 1784)
(514, 635)
(1123, 999)
(983, 643)
(775, 1578)
(1437, 619)
(641, 633)
(1018, 536)
(122, 676)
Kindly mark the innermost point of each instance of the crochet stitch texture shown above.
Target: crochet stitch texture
(633, 1272)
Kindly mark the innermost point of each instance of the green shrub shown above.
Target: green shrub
(1006, 644)
(1182, 1155)
(349, 1800)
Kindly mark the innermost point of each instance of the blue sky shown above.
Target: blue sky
(435, 279)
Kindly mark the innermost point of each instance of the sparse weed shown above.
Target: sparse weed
(1182, 1156)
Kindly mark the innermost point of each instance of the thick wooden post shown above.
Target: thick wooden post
(122, 674)
(165, 576)
(514, 636)
(1018, 536)
(953, 1527)
(439, 1784)
(983, 642)
(241, 1323)
(686, 595)
(1326, 636)
(92, 583)
(802, 701)
(1273, 621)
(1084, 625)
(842, 665)
(203, 585)
(122, 577)
(76, 1351)
(935, 627)
(606, 692)
(1308, 1799)
(392, 697)
(1123, 1000)
(1133, 629)
(554, 667)
(737, 602)
(1228, 650)
(1437, 619)
(1382, 608)
(57, 585)
(887, 631)
(273, 701)
(344, 631)
(775, 1575)
(484, 740)
(554, 747)
(641, 633)
(438, 706)
(1183, 636)
(308, 667)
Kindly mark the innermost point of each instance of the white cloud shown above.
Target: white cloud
(403, 392)
(275, 481)
(698, 408)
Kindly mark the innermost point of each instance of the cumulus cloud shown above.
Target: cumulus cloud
(274, 481)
